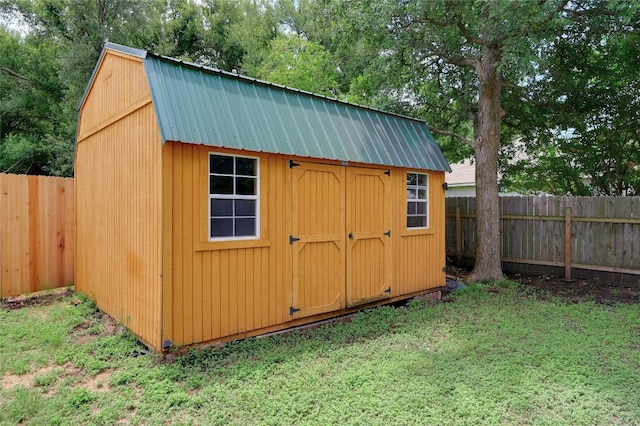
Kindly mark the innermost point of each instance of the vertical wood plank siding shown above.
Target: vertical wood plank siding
(120, 84)
(119, 199)
(420, 255)
(37, 228)
(230, 289)
(222, 289)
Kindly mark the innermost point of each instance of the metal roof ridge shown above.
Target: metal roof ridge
(279, 86)
(126, 49)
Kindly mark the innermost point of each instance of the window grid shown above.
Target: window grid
(417, 200)
(230, 189)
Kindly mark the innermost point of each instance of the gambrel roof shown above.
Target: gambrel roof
(201, 105)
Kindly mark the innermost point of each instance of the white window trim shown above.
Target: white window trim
(233, 196)
(418, 200)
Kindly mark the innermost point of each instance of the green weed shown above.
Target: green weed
(497, 354)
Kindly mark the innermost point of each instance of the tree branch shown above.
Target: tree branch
(454, 60)
(454, 134)
(465, 31)
(432, 21)
(14, 74)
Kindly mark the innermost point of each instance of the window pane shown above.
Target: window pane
(411, 208)
(220, 184)
(411, 179)
(221, 207)
(421, 208)
(245, 166)
(422, 180)
(221, 228)
(245, 208)
(220, 164)
(245, 227)
(417, 222)
(245, 186)
(411, 194)
(422, 194)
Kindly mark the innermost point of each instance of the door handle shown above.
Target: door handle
(351, 235)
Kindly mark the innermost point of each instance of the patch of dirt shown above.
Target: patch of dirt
(98, 383)
(35, 299)
(581, 290)
(574, 291)
(9, 381)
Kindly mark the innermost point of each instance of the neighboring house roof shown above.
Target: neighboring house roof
(462, 181)
(201, 105)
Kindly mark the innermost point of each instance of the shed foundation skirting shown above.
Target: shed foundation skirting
(318, 320)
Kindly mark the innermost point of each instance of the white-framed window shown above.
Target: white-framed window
(417, 200)
(233, 197)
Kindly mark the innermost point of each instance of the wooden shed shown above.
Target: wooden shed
(212, 206)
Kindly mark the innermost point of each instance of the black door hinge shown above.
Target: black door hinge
(293, 310)
(293, 239)
(292, 164)
(388, 290)
(388, 173)
(445, 186)
(388, 233)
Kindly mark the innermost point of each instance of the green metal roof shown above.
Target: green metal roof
(200, 105)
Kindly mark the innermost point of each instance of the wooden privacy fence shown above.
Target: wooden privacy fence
(37, 229)
(584, 236)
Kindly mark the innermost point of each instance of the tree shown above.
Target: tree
(239, 33)
(39, 113)
(465, 66)
(29, 95)
(57, 56)
(580, 135)
(301, 64)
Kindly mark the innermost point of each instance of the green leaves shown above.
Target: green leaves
(301, 64)
(580, 132)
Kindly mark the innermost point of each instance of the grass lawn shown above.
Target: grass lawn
(508, 356)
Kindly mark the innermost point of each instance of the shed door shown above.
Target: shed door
(368, 223)
(318, 202)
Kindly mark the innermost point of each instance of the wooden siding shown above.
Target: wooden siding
(419, 256)
(118, 88)
(216, 291)
(37, 228)
(222, 289)
(119, 202)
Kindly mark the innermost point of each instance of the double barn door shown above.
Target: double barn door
(341, 237)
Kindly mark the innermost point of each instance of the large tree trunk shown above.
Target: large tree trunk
(487, 145)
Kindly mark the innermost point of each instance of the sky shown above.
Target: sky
(14, 24)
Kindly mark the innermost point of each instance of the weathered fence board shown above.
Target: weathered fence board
(588, 233)
(37, 227)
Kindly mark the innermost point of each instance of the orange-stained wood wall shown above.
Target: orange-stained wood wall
(118, 187)
(217, 291)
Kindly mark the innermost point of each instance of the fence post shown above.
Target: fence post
(567, 244)
(458, 236)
